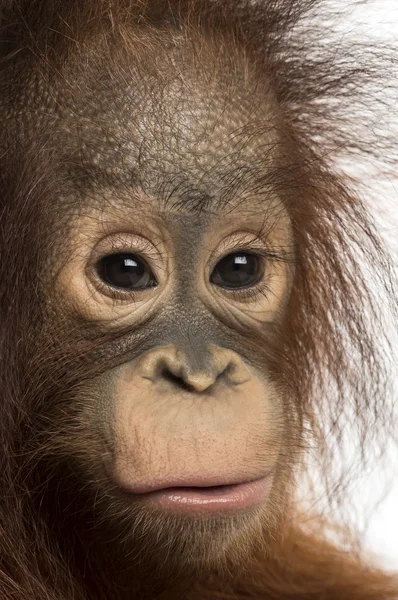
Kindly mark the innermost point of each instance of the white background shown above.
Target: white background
(377, 493)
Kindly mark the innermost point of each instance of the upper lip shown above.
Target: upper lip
(191, 482)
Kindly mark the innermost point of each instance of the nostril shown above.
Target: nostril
(176, 380)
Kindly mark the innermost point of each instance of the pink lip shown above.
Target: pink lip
(184, 482)
(210, 499)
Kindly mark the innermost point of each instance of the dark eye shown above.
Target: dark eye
(238, 270)
(126, 271)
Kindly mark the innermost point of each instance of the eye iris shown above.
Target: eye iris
(237, 270)
(126, 271)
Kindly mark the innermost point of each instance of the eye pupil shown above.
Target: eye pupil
(125, 271)
(238, 270)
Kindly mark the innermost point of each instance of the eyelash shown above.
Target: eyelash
(119, 295)
(250, 294)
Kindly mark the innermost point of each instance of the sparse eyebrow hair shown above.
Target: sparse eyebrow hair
(180, 191)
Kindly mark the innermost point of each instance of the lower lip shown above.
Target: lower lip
(207, 500)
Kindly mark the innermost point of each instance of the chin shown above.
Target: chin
(190, 544)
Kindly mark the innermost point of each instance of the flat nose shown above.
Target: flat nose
(171, 364)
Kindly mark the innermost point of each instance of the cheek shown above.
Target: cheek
(161, 435)
(86, 428)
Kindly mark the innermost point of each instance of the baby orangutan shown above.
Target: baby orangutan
(178, 265)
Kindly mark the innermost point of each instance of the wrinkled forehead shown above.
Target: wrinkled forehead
(173, 120)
